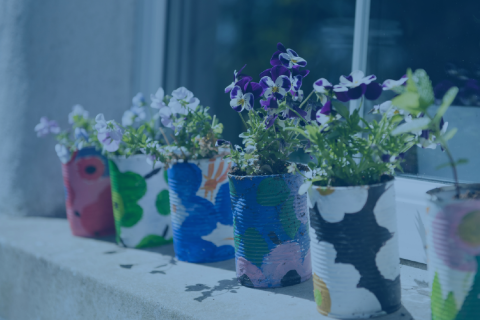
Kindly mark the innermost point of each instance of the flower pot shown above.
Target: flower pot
(356, 265)
(87, 192)
(272, 245)
(453, 238)
(140, 202)
(201, 211)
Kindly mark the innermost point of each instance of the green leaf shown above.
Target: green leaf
(424, 89)
(408, 101)
(311, 165)
(446, 102)
(412, 126)
(341, 109)
(449, 134)
(448, 164)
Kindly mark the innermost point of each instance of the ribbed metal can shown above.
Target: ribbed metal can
(272, 244)
(141, 204)
(453, 250)
(87, 194)
(356, 264)
(201, 211)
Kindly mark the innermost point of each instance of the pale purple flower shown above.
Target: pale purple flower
(165, 114)
(240, 101)
(77, 110)
(46, 126)
(278, 85)
(157, 99)
(183, 101)
(270, 120)
(134, 115)
(389, 84)
(237, 76)
(356, 85)
(322, 85)
(291, 58)
(63, 154)
(109, 133)
(139, 100)
(81, 133)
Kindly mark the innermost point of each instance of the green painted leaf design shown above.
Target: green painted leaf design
(272, 192)
(127, 189)
(442, 309)
(289, 219)
(255, 246)
(153, 240)
(450, 307)
(165, 175)
(236, 236)
(318, 297)
(163, 202)
(231, 186)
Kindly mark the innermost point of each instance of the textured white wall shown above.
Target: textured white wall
(54, 54)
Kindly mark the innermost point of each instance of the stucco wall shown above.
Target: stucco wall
(54, 54)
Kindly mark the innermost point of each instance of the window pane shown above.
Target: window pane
(232, 33)
(442, 37)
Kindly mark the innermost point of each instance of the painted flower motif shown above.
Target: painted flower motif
(109, 133)
(46, 126)
(134, 115)
(90, 168)
(62, 152)
(77, 110)
(286, 57)
(237, 76)
(456, 235)
(357, 85)
(278, 85)
(139, 100)
(389, 84)
(183, 101)
(240, 101)
(387, 108)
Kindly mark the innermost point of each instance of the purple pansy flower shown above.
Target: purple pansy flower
(46, 126)
(298, 96)
(237, 76)
(240, 101)
(222, 142)
(270, 120)
(292, 115)
(356, 85)
(323, 115)
(253, 88)
(322, 85)
(389, 84)
(287, 57)
(270, 103)
(278, 84)
(296, 83)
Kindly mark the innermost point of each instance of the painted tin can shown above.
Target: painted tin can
(87, 194)
(453, 238)
(272, 244)
(356, 264)
(201, 211)
(141, 203)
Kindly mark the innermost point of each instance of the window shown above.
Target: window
(206, 40)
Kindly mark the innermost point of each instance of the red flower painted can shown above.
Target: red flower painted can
(453, 237)
(88, 196)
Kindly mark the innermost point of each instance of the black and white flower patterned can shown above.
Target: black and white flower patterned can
(354, 246)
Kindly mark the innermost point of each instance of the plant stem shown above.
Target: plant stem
(306, 99)
(454, 168)
(243, 120)
(164, 135)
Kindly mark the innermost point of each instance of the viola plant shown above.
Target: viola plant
(80, 135)
(268, 142)
(190, 132)
(351, 150)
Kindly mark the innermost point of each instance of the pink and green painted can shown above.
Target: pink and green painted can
(453, 235)
(87, 192)
(272, 244)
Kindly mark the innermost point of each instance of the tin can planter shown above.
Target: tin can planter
(272, 245)
(356, 264)
(201, 211)
(453, 237)
(141, 203)
(87, 192)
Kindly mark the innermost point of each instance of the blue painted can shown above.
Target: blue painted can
(272, 244)
(201, 213)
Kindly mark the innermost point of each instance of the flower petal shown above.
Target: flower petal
(283, 82)
(254, 88)
(342, 96)
(285, 60)
(374, 91)
(278, 71)
(265, 73)
(249, 100)
(236, 93)
(275, 60)
(357, 92)
(281, 47)
(292, 53)
(266, 82)
(301, 62)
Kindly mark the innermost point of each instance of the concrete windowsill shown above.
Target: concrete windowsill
(46, 273)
